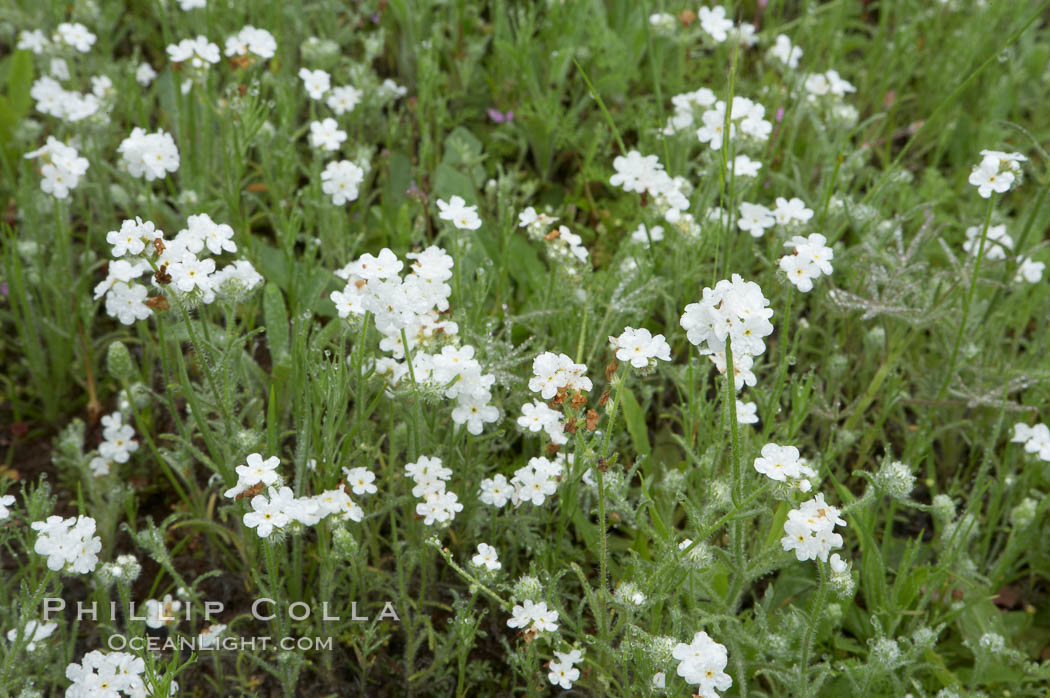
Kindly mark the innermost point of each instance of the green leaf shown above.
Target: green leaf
(276, 325)
(19, 81)
(635, 418)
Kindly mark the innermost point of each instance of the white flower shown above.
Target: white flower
(755, 219)
(340, 180)
(360, 480)
(989, 176)
(784, 52)
(342, 100)
(316, 82)
(495, 491)
(714, 22)
(63, 167)
(6, 501)
(782, 462)
(187, 5)
(462, 216)
(33, 633)
(702, 663)
(269, 512)
(145, 74)
(746, 412)
(1029, 270)
(486, 557)
(743, 166)
(326, 134)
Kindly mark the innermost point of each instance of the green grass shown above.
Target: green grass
(910, 351)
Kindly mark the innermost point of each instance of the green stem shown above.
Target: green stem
(968, 302)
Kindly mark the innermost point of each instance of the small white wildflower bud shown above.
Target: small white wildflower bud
(837, 365)
(924, 639)
(187, 198)
(527, 588)
(895, 479)
(993, 643)
(875, 339)
(628, 594)
(943, 508)
(834, 613)
(699, 556)
(246, 439)
(30, 692)
(721, 493)
(1024, 513)
(885, 653)
(661, 649)
(344, 544)
(841, 581)
(119, 362)
(129, 567)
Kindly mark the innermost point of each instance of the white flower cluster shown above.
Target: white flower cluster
(562, 669)
(197, 53)
(108, 674)
(756, 218)
(189, 273)
(810, 530)
(252, 40)
(784, 464)
(360, 480)
(160, 614)
(326, 135)
(714, 22)
(411, 305)
(117, 445)
(736, 310)
(341, 180)
(645, 174)
(280, 507)
(996, 172)
(536, 481)
(6, 501)
(149, 155)
(554, 373)
(745, 117)
(456, 210)
(439, 506)
(69, 544)
(33, 633)
(811, 258)
(828, 83)
(74, 35)
(702, 663)
(538, 416)
(998, 245)
(54, 100)
(640, 347)
(533, 482)
(62, 169)
(563, 245)
(534, 616)
(1036, 439)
